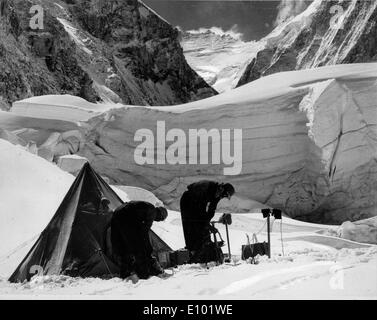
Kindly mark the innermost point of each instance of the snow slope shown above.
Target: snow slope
(302, 276)
(32, 188)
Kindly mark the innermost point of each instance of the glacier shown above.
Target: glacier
(309, 141)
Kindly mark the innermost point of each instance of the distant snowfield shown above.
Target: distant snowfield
(218, 57)
(312, 268)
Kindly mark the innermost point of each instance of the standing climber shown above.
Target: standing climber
(130, 226)
(198, 205)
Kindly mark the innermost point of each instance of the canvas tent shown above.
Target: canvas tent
(76, 241)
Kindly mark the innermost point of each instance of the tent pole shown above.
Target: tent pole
(268, 236)
(227, 240)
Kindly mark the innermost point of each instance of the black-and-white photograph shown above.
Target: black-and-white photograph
(188, 150)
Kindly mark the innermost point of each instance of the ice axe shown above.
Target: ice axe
(226, 219)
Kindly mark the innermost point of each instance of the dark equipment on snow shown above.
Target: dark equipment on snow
(210, 251)
(75, 242)
(216, 245)
(226, 219)
(216, 232)
(276, 213)
(251, 250)
(174, 258)
(265, 212)
(179, 257)
(261, 248)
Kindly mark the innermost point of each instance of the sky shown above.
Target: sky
(253, 19)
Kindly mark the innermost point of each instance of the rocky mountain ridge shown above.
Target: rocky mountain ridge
(112, 51)
(326, 33)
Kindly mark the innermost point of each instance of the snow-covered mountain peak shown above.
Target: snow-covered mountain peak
(218, 56)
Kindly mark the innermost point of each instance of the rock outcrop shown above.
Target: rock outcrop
(327, 33)
(309, 143)
(114, 51)
(37, 62)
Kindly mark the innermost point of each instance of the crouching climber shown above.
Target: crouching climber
(198, 205)
(130, 226)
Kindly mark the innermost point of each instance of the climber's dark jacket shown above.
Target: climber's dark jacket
(130, 227)
(198, 205)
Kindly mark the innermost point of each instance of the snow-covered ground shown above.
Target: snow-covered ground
(307, 271)
(313, 265)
